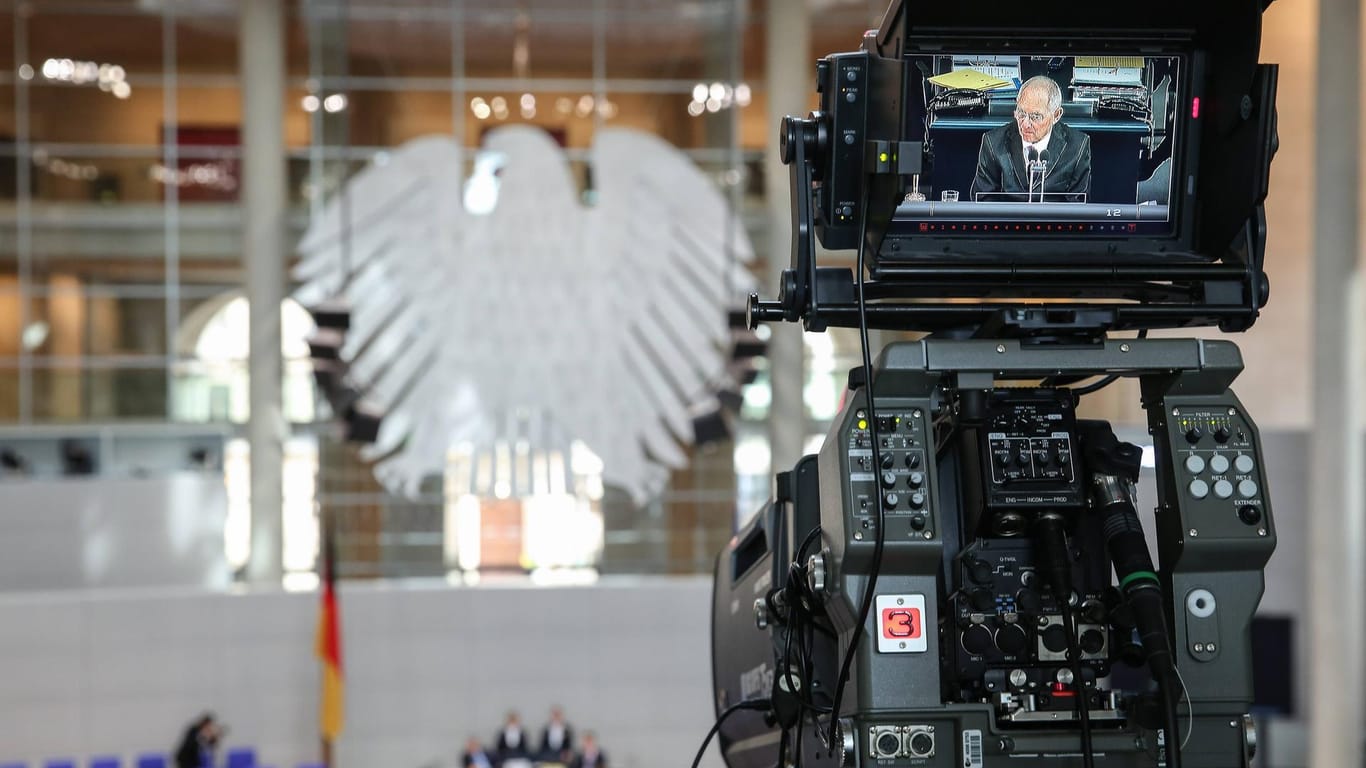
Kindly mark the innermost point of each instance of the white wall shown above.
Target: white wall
(81, 532)
(95, 673)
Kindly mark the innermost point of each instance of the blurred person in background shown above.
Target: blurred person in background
(199, 742)
(513, 750)
(475, 755)
(557, 740)
(590, 756)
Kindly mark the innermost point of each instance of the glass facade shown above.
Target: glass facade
(120, 241)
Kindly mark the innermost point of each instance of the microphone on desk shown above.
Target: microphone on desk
(1033, 169)
(1044, 158)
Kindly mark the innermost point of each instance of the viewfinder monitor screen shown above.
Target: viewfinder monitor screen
(1049, 145)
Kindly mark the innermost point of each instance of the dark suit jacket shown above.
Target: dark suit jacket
(566, 747)
(192, 752)
(471, 759)
(1001, 165)
(580, 761)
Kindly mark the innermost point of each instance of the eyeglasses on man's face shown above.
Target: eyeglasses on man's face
(1033, 117)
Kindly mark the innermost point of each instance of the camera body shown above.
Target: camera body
(960, 576)
(964, 658)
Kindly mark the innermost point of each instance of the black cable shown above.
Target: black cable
(1105, 382)
(876, 562)
(1095, 387)
(1173, 721)
(1069, 625)
(798, 618)
(759, 704)
(806, 542)
(1054, 563)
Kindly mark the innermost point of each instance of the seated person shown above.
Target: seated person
(1002, 174)
(476, 756)
(590, 756)
(512, 742)
(557, 741)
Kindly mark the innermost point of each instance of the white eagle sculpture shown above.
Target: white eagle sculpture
(540, 319)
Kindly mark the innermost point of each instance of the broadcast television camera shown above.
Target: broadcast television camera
(960, 577)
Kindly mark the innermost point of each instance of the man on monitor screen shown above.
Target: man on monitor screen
(1035, 158)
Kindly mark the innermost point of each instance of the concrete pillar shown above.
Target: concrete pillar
(1337, 505)
(791, 75)
(264, 208)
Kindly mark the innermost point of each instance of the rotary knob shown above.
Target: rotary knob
(913, 460)
(1193, 435)
(815, 573)
(891, 500)
(915, 479)
(1221, 435)
(888, 479)
(888, 460)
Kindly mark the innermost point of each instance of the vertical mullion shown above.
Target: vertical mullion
(171, 160)
(23, 163)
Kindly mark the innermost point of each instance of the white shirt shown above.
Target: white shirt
(1040, 145)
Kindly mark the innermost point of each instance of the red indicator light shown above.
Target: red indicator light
(1195, 107)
